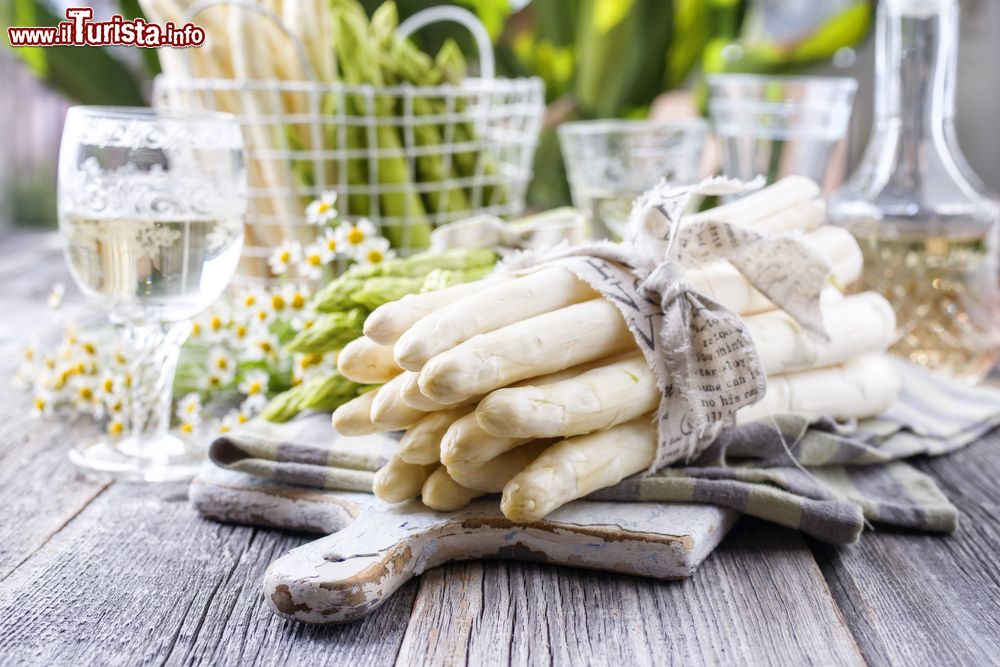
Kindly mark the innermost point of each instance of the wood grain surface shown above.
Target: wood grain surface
(93, 572)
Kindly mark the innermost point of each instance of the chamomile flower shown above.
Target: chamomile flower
(351, 237)
(254, 383)
(304, 319)
(55, 298)
(109, 385)
(305, 367)
(42, 404)
(116, 427)
(284, 256)
(84, 397)
(329, 245)
(374, 251)
(228, 422)
(263, 345)
(189, 409)
(311, 266)
(221, 368)
(322, 211)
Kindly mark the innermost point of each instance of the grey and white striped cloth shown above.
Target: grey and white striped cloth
(843, 473)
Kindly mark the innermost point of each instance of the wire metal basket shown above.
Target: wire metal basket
(406, 157)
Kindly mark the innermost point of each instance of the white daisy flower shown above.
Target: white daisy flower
(374, 251)
(221, 367)
(116, 427)
(322, 211)
(42, 404)
(351, 237)
(228, 422)
(109, 386)
(55, 298)
(85, 398)
(329, 245)
(254, 382)
(304, 319)
(305, 367)
(189, 409)
(284, 256)
(263, 345)
(311, 266)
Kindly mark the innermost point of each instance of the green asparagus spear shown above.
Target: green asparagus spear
(359, 65)
(441, 278)
(330, 332)
(323, 394)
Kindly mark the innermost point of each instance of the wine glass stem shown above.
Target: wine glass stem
(153, 350)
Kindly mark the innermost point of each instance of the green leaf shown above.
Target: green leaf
(85, 74)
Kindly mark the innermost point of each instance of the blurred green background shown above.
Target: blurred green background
(598, 58)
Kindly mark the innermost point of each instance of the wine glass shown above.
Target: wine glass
(151, 207)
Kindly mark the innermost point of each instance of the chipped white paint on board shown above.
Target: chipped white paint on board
(373, 548)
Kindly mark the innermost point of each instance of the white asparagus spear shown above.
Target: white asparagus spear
(365, 361)
(493, 475)
(488, 310)
(725, 284)
(537, 346)
(410, 391)
(354, 417)
(465, 442)
(398, 480)
(389, 412)
(556, 287)
(574, 467)
(608, 395)
(859, 388)
(444, 494)
(791, 198)
(389, 321)
(422, 442)
(855, 325)
(623, 390)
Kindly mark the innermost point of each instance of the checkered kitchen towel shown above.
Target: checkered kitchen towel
(846, 473)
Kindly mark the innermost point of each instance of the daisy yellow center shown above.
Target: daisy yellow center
(242, 418)
(323, 207)
(116, 428)
(241, 331)
(222, 363)
(266, 346)
(186, 428)
(254, 388)
(50, 363)
(331, 245)
(39, 404)
(298, 301)
(216, 323)
(119, 357)
(375, 256)
(128, 379)
(190, 408)
(195, 329)
(285, 256)
(86, 393)
(89, 348)
(249, 301)
(277, 302)
(223, 428)
(315, 260)
(29, 354)
(355, 236)
(311, 360)
(108, 385)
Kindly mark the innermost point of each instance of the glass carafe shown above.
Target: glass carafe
(928, 235)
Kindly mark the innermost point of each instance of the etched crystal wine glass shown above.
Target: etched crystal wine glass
(151, 207)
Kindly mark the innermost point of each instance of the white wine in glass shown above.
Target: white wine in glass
(151, 207)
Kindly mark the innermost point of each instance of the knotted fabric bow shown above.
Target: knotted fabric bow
(704, 360)
(536, 232)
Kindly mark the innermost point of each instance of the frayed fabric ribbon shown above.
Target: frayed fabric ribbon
(702, 355)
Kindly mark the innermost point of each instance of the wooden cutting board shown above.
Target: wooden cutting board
(370, 548)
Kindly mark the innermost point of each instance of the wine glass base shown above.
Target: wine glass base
(162, 458)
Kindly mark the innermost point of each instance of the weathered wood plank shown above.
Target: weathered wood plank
(758, 600)
(914, 599)
(138, 577)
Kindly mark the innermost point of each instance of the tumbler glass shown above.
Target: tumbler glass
(611, 162)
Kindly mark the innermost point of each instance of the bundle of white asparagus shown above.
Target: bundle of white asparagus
(533, 387)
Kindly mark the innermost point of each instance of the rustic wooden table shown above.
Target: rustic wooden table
(96, 572)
